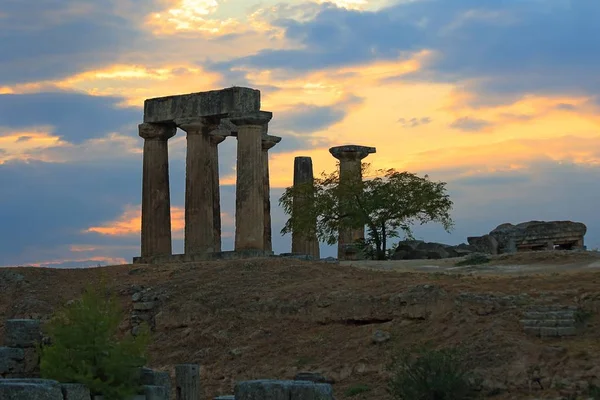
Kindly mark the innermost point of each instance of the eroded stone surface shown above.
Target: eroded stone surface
(193, 105)
(22, 332)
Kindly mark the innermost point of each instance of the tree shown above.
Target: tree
(86, 347)
(387, 205)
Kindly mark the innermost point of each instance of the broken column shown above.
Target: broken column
(268, 141)
(156, 201)
(350, 157)
(303, 243)
(199, 185)
(187, 381)
(249, 202)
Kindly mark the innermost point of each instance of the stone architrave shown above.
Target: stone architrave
(268, 142)
(214, 172)
(302, 243)
(249, 202)
(156, 201)
(199, 185)
(350, 157)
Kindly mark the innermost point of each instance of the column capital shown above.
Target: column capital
(351, 152)
(150, 131)
(198, 125)
(260, 118)
(216, 139)
(269, 141)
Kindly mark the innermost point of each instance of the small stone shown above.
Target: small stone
(380, 337)
(146, 305)
(136, 296)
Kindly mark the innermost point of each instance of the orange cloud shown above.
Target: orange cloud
(57, 263)
(129, 223)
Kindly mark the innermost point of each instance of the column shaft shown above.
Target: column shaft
(303, 175)
(249, 202)
(350, 174)
(214, 172)
(268, 141)
(156, 201)
(199, 197)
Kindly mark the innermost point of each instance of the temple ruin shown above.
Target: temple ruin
(207, 118)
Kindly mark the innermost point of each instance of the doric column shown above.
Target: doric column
(268, 141)
(249, 202)
(350, 157)
(214, 171)
(303, 175)
(156, 197)
(199, 194)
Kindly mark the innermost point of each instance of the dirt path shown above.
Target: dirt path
(542, 262)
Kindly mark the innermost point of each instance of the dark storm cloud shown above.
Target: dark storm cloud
(510, 46)
(76, 117)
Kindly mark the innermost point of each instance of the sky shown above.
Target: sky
(500, 99)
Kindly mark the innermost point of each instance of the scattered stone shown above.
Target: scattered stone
(380, 337)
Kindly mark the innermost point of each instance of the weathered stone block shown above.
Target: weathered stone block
(187, 381)
(566, 331)
(155, 378)
(75, 391)
(22, 332)
(532, 330)
(153, 392)
(11, 360)
(268, 389)
(202, 104)
(227, 397)
(545, 331)
(30, 389)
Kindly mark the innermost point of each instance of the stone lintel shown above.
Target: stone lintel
(157, 131)
(214, 256)
(202, 104)
(261, 118)
(351, 152)
(269, 141)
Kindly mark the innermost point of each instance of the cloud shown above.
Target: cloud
(306, 118)
(72, 117)
(469, 124)
(414, 122)
(498, 50)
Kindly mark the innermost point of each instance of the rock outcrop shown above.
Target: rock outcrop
(420, 250)
(532, 235)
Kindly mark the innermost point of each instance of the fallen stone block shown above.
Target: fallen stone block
(75, 391)
(11, 359)
(22, 332)
(269, 389)
(30, 389)
(153, 392)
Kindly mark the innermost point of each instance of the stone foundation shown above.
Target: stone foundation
(221, 255)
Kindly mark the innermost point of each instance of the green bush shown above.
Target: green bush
(356, 390)
(432, 375)
(86, 348)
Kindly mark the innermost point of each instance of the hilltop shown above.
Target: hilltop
(271, 318)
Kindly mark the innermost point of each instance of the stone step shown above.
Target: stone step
(568, 314)
(548, 322)
(550, 331)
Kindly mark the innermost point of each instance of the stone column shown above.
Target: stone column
(187, 382)
(156, 196)
(249, 202)
(199, 197)
(268, 141)
(214, 171)
(303, 175)
(350, 157)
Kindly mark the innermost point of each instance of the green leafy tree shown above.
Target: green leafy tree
(387, 205)
(86, 347)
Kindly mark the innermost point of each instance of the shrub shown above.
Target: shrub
(356, 390)
(432, 375)
(86, 348)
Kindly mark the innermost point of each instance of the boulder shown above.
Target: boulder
(484, 244)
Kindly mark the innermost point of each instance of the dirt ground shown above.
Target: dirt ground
(271, 318)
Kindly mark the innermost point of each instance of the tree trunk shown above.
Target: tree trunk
(383, 240)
